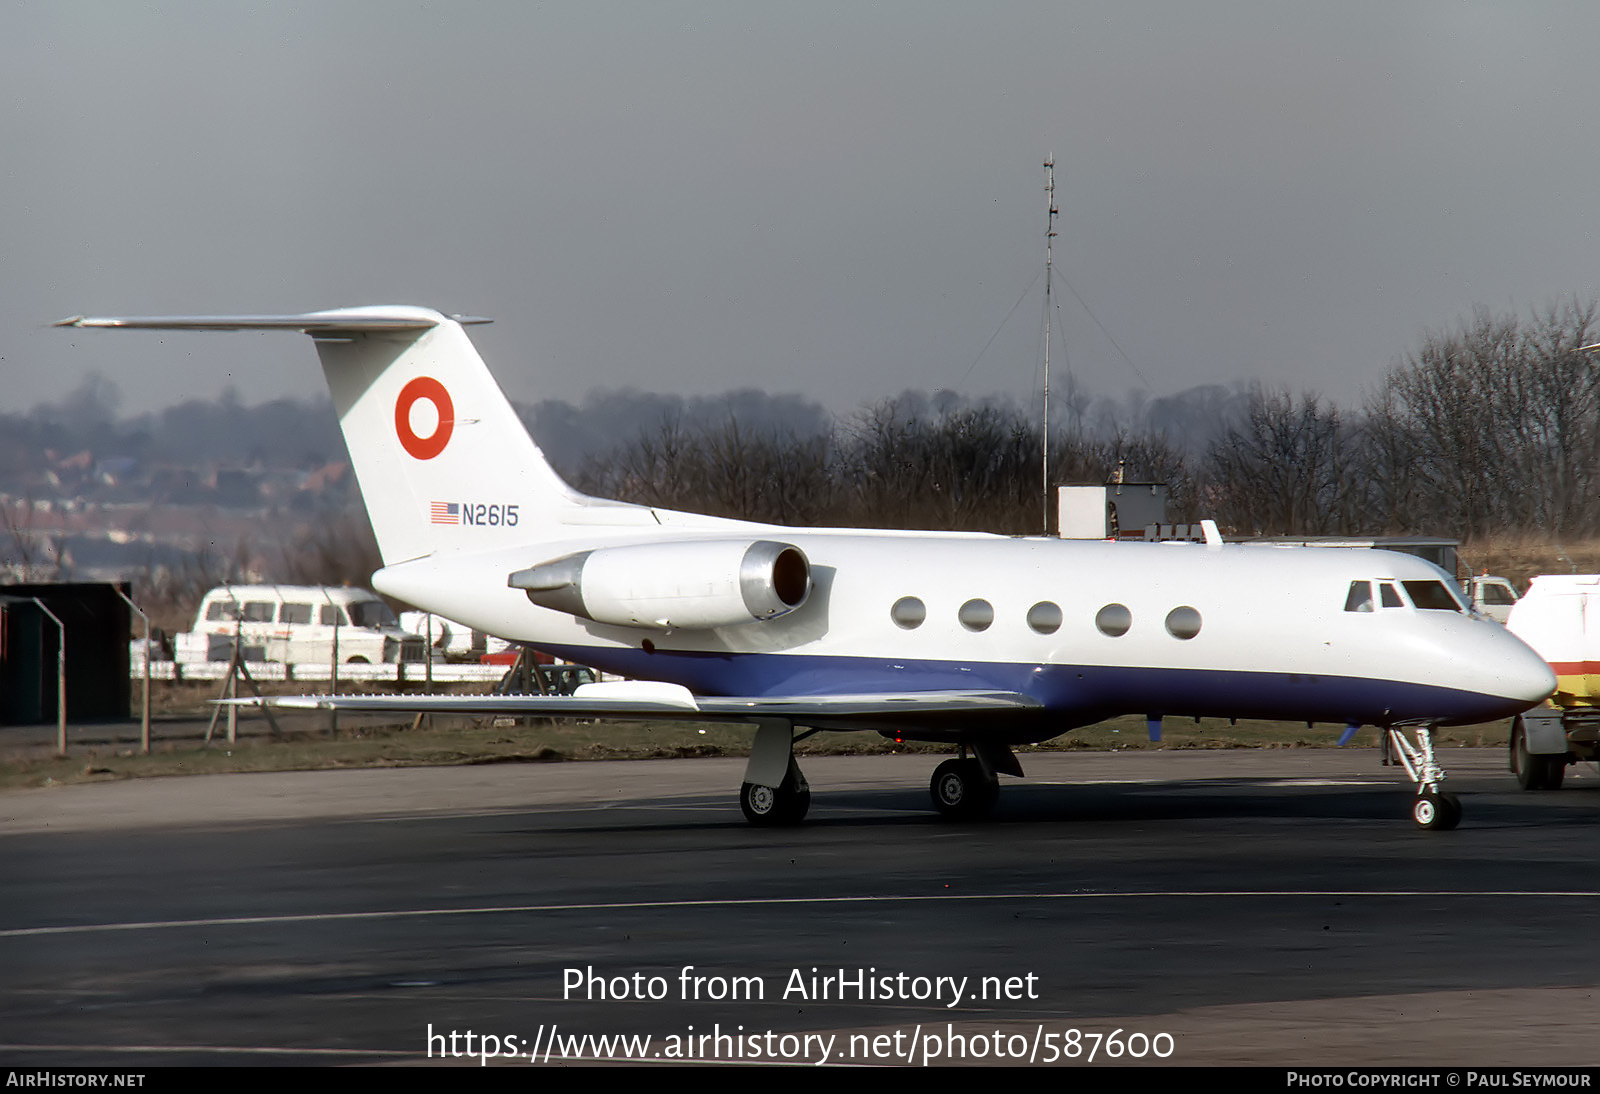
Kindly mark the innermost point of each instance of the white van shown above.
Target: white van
(297, 623)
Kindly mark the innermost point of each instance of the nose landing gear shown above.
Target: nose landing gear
(1432, 808)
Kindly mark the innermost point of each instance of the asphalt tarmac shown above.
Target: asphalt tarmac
(1241, 907)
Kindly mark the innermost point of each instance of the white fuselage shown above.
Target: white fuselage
(1274, 637)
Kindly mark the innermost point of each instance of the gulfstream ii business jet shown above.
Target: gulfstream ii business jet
(979, 641)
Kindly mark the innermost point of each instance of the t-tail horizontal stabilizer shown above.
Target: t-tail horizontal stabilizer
(317, 322)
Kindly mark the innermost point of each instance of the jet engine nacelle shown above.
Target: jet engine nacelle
(690, 585)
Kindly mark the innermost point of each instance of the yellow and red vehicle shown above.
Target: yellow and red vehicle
(1560, 618)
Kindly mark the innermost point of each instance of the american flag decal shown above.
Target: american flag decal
(444, 512)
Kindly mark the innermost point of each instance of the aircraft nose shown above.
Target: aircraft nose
(1524, 674)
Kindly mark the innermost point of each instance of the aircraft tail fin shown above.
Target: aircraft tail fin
(442, 459)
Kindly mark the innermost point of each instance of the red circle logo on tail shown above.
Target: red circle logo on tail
(424, 387)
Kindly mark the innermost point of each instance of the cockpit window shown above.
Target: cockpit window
(1360, 598)
(1391, 596)
(1432, 596)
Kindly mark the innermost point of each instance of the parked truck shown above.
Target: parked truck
(1553, 617)
(1492, 596)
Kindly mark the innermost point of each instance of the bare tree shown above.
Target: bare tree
(1500, 425)
(1286, 470)
(728, 470)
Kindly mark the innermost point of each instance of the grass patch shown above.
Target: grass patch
(376, 743)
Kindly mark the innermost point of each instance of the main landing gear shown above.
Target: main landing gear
(775, 791)
(785, 803)
(966, 788)
(1431, 808)
(961, 789)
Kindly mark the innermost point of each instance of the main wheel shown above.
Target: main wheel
(759, 803)
(1534, 772)
(960, 789)
(1439, 811)
(773, 805)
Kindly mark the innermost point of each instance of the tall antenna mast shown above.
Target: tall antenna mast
(1049, 240)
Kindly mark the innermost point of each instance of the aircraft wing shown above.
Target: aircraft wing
(640, 699)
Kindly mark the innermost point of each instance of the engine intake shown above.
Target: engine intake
(691, 585)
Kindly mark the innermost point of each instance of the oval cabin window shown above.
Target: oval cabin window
(1183, 622)
(908, 613)
(1113, 620)
(1045, 617)
(976, 615)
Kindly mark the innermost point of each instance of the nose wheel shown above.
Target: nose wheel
(1436, 809)
(1432, 808)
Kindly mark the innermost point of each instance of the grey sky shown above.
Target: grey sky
(841, 200)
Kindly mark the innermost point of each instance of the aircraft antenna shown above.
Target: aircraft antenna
(1049, 240)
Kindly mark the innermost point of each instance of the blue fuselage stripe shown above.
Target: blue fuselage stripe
(1072, 694)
